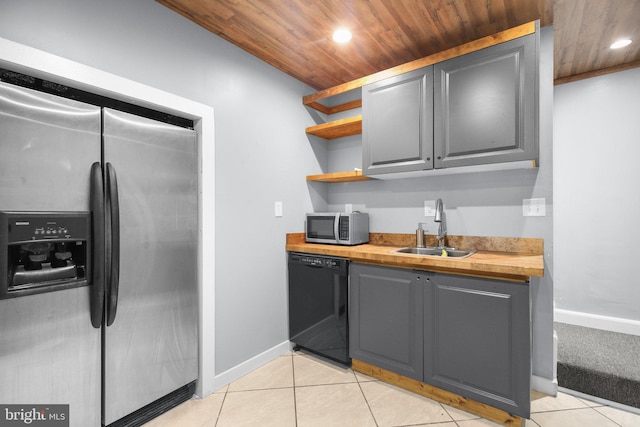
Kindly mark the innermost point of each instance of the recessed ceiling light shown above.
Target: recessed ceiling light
(621, 43)
(341, 35)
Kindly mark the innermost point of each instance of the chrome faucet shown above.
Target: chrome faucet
(442, 227)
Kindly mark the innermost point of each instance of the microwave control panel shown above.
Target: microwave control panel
(343, 228)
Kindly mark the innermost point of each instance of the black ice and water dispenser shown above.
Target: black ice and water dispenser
(43, 252)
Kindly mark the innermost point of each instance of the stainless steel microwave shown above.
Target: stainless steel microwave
(337, 228)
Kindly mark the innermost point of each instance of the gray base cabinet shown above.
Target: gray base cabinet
(477, 340)
(385, 318)
(470, 336)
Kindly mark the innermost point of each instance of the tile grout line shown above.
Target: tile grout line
(295, 403)
(260, 389)
(572, 410)
(535, 424)
(224, 398)
(563, 410)
(605, 415)
(326, 384)
(365, 398)
(446, 412)
(452, 420)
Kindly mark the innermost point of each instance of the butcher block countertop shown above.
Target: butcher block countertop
(497, 257)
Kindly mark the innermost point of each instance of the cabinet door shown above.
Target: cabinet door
(477, 340)
(397, 123)
(486, 105)
(386, 319)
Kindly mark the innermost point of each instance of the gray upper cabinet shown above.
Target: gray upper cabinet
(485, 105)
(397, 123)
(477, 340)
(385, 318)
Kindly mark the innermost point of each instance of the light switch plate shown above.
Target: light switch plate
(534, 207)
(429, 208)
(278, 209)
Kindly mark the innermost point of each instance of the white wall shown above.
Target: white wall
(597, 178)
(262, 154)
(476, 204)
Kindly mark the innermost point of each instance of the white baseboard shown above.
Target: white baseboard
(596, 321)
(544, 385)
(252, 364)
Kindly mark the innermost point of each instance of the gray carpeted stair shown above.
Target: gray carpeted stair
(599, 363)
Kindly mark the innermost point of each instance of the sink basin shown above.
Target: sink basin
(431, 251)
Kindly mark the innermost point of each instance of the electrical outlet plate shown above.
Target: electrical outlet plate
(348, 208)
(534, 207)
(429, 208)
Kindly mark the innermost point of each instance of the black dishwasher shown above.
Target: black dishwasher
(318, 305)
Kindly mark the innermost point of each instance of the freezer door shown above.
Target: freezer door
(47, 145)
(151, 347)
(49, 353)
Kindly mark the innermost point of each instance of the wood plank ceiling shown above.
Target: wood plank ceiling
(295, 35)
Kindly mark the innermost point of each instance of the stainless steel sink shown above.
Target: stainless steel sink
(432, 251)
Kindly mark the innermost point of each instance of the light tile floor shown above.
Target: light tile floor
(300, 390)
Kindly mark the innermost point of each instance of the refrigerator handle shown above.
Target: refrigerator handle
(98, 249)
(112, 195)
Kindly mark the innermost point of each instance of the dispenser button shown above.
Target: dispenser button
(63, 255)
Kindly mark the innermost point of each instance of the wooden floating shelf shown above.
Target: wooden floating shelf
(338, 128)
(336, 108)
(350, 176)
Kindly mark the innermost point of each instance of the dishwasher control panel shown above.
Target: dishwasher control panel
(319, 261)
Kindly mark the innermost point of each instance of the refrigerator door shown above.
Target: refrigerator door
(49, 352)
(151, 347)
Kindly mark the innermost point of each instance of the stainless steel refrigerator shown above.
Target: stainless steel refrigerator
(118, 342)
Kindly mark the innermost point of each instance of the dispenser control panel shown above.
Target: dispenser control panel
(43, 252)
(24, 227)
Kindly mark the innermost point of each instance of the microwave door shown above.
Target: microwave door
(336, 227)
(321, 228)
